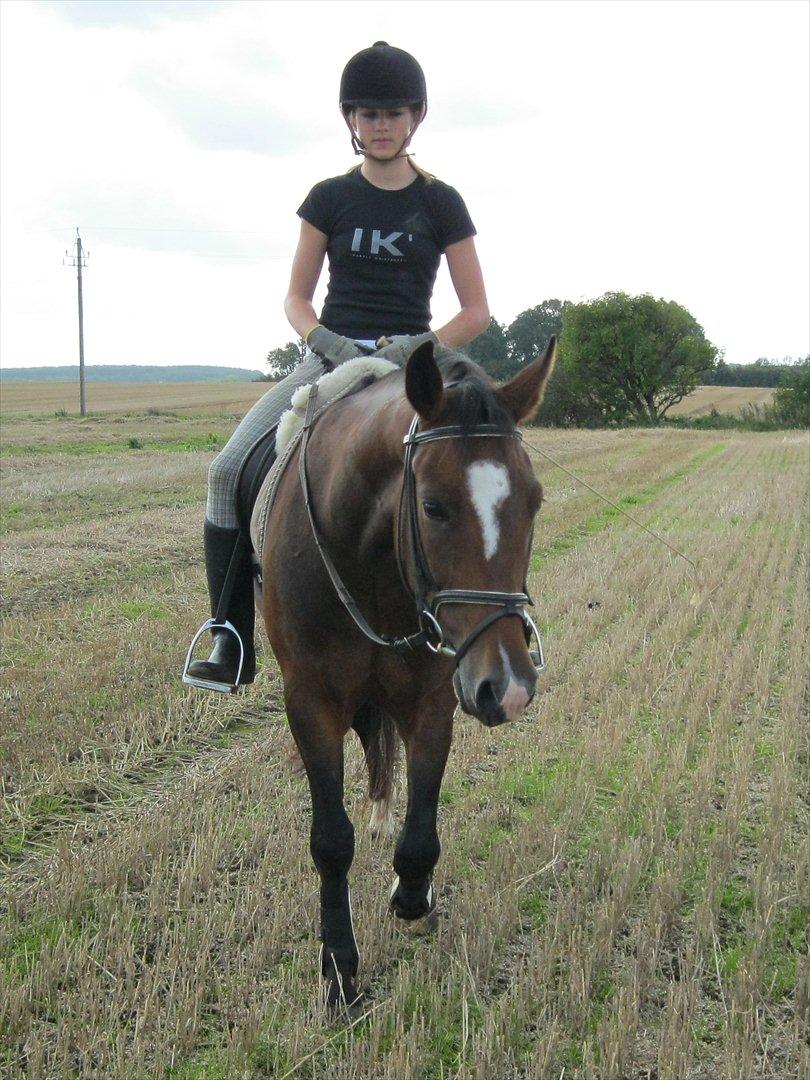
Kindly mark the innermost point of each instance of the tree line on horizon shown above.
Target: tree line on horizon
(621, 360)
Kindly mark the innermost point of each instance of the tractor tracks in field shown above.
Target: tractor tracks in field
(253, 728)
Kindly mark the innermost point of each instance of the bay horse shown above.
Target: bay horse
(394, 569)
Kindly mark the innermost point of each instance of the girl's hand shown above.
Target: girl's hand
(333, 348)
(400, 347)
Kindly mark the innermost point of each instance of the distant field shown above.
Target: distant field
(214, 398)
(235, 398)
(623, 885)
(726, 399)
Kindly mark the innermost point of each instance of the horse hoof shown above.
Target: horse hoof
(344, 999)
(409, 906)
(421, 927)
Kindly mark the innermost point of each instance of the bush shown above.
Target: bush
(791, 399)
(562, 407)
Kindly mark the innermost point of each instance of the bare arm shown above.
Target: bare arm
(468, 281)
(306, 269)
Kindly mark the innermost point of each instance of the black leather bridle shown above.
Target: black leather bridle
(428, 597)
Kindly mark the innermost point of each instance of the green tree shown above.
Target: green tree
(791, 399)
(630, 358)
(528, 334)
(762, 372)
(564, 406)
(284, 361)
(491, 351)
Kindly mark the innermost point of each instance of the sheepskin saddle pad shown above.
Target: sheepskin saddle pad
(347, 379)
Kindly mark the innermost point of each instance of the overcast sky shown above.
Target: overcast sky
(644, 146)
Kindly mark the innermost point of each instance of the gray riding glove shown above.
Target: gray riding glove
(333, 348)
(400, 347)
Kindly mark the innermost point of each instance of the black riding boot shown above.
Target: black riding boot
(223, 663)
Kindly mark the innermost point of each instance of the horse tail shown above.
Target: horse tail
(380, 739)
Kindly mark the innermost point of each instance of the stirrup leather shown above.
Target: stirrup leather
(210, 684)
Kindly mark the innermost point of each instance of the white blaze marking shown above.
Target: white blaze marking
(489, 487)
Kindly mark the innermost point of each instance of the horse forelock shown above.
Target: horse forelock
(471, 396)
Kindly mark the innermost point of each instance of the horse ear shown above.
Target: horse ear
(522, 396)
(423, 382)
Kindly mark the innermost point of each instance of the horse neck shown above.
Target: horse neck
(362, 490)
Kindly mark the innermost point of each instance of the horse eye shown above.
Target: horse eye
(434, 510)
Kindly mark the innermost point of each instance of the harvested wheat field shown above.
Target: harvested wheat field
(30, 398)
(235, 398)
(624, 878)
(725, 399)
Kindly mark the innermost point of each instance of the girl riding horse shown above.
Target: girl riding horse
(384, 226)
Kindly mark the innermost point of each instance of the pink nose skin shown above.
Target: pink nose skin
(515, 700)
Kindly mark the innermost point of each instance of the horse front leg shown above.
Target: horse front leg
(427, 745)
(320, 742)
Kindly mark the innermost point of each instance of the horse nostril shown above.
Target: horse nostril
(485, 697)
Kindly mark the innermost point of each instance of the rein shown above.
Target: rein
(400, 645)
(426, 594)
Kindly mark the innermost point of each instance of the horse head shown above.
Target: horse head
(471, 498)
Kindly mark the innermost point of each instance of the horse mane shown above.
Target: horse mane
(471, 395)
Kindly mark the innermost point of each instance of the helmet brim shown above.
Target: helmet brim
(377, 103)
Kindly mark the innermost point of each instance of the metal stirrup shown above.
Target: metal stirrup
(210, 684)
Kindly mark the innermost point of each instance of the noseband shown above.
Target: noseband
(426, 594)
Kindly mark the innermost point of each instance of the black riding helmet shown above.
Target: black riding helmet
(382, 77)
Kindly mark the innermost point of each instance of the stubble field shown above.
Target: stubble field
(624, 878)
(22, 398)
(723, 399)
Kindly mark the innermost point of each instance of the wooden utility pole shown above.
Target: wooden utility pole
(79, 260)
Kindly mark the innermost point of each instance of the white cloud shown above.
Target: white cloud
(647, 146)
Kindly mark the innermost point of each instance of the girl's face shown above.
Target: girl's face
(383, 131)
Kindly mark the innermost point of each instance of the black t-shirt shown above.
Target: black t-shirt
(384, 250)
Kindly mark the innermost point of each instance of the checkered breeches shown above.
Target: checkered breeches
(223, 475)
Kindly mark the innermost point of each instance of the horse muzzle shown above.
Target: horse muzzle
(495, 674)
(494, 698)
(496, 681)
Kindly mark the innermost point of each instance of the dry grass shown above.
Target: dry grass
(624, 871)
(726, 399)
(46, 398)
(43, 399)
